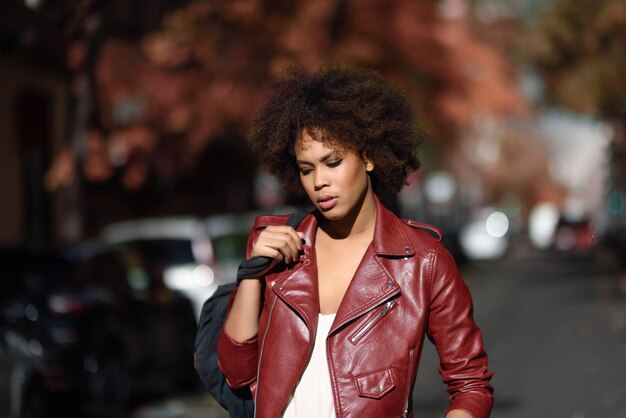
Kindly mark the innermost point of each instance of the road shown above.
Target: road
(554, 327)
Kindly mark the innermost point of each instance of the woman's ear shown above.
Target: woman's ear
(369, 164)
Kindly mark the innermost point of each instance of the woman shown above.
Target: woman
(335, 328)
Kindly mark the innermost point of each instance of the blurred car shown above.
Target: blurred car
(179, 246)
(195, 256)
(83, 332)
(574, 235)
(22, 387)
(229, 236)
(486, 235)
(39, 365)
(155, 326)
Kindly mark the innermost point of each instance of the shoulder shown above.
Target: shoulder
(427, 240)
(261, 222)
(293, 219)
(424, 238)
(422, 229)
(264, 221)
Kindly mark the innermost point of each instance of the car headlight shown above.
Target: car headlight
(188, 276)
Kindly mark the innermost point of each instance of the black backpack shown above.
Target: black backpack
(238, 403)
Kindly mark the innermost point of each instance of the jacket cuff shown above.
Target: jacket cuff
(237, 360)
(239, 345)
(478, 405)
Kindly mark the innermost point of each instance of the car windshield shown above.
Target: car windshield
(136, 265)
(229, 248)
(166, 251)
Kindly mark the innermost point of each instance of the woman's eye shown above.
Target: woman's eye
(305, 171)
(334, 163)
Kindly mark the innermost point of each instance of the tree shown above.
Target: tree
(579, 48)
(580, 51)
(204, 74)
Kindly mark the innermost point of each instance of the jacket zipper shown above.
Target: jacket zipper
(258, 370)
(405, 413)
(363, 330)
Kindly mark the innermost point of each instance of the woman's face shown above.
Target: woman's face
(336, 181)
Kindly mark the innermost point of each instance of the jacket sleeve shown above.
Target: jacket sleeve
(238, 360)
(451, 327)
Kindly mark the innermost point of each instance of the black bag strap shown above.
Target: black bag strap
(256, 266)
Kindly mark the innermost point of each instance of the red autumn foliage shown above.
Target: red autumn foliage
(206, 70)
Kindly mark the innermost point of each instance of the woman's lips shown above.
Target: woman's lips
(327, 203)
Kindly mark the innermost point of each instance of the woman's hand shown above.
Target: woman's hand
(278, 243)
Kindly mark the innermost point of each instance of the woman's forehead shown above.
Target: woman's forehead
(318, 140)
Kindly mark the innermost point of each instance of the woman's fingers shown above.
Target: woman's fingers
(277, 247)
(284, 246)
(278, 242)
(294, 239)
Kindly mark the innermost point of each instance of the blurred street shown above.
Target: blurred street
(129, 189)
(555, 329)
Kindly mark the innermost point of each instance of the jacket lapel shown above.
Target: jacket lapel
(372, 284)
(298, 287)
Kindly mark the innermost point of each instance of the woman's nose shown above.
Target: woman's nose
(320, 179)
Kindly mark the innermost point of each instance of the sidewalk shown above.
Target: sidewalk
(189, 406)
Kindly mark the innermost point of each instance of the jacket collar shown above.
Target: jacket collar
(389, 236)
(371, 285)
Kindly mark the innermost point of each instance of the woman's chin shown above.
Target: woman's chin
(332, 214)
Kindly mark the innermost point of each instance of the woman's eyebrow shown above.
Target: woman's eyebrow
(324, 157)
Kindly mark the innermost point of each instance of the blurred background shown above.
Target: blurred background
(127, 189)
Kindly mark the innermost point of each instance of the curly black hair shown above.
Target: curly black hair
(350, 109)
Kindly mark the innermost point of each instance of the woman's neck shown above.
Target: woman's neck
(360, 222)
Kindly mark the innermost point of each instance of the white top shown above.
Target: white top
(313, 397)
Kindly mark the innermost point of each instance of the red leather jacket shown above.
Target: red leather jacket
(406, 287)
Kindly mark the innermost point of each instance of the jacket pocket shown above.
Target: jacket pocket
(369, 325)
(375, 385)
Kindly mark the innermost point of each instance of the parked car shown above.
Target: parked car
(486, 236)
(229, 235)
(152, 350)
(23, 391)
(574, 235)
(179, 246)
(84, 332)
(189, 255)
(38, 370)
